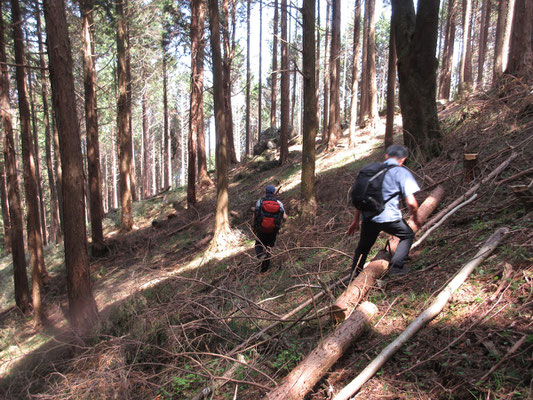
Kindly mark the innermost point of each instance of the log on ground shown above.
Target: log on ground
(307, 374)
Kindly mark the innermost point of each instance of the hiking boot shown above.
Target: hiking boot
(265, 265)
(395, 271)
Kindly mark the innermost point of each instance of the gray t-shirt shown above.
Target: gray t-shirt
(396, 180)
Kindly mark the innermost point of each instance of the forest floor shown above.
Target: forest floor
(173, 311)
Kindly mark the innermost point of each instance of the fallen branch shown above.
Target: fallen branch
(431, 312)
(357, 289)
(506, 356)
(443, 219)
(243, 346)
(515, 176)
(302, 378)
(469, 192)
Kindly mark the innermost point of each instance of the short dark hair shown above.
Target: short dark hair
(397, 150)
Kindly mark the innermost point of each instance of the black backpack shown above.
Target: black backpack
(366, 192)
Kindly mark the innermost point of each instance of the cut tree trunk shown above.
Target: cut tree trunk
(82, 306)
(380, 263)
(16, 215)
(307, 374)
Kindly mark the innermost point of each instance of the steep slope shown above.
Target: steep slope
(176, 318)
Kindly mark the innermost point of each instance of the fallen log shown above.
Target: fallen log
(306, 375)
(431, 312)
(469, 192)
(357, 289)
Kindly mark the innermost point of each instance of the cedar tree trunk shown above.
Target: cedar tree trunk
(274, 90)
(221, 217)
(91, 122)
(391, 90)
(16, 215)
(124, 132)
(521, 52)
(416, 41)
(82, 306)
(310, 121)
(33, 226)
(284, 147)
(334, 123)
(355, 70)
(447, 53)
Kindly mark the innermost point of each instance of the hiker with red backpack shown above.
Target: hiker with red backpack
(376, 196)
(268, 217)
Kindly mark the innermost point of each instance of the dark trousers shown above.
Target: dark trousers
(369, 233)
(262, 247)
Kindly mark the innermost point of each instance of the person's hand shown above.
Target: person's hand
(354, 227)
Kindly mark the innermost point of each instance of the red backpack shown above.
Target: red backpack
(268, 216)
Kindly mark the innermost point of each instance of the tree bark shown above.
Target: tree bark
(82, 306)
(500, 55)
(447, 54)
(463, 69)
(521, 52)
(16, 216)
(372, 105)
(91, 122)
(380, 263)
(483, 35)
(227, 61)
(195, 114)
(274, 90)
(310, 122)
(55, 227)
(147, 144)
(355, 71)
(260, 86)
(334, 119)
(249, 76)
(363, 105)
(325, 114)
(307, 374)
(284, 147)
(5, 208)
(124, 132)
(33, 226)
(221, 218)
(35, 132)
(203, 177)
(416, 41)
(391, 90)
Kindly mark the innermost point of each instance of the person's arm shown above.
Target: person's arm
(412, 205)
(354, 227)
